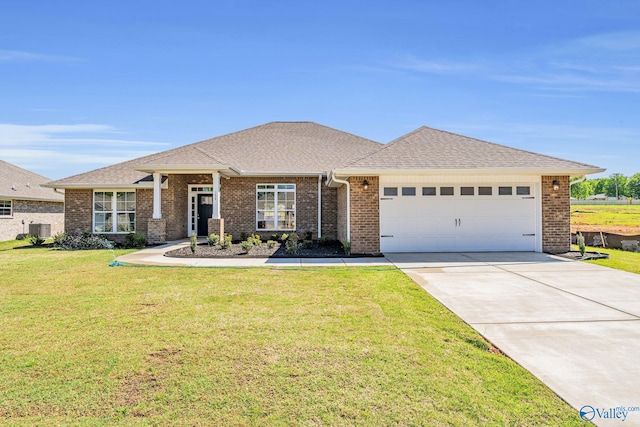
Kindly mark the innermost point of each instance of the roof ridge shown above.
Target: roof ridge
(384, 146)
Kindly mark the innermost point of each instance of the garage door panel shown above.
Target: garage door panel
(458, 223)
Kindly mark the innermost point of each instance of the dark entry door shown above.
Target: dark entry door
(205, 209)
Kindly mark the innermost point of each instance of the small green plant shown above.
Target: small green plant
(247, 245)
(255, 239)
(275, 237)
(308, 235)
(292, 245)
(346, 246)
(284, 237)
(135, 240)
(213, 240)
(194, 243)
(244, 236)
(36, 240)
(307, 244)
(59, 238)
(271, 244)
(580, 242)
(323, 241)
(227, 242)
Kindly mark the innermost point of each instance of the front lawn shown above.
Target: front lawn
(82, 343)
(618, 259)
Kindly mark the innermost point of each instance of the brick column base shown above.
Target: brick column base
(156, 231)
(216, 226)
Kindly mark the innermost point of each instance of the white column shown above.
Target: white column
(215, 214)
(157, 204)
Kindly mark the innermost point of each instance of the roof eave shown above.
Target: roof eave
(181, 169)
(31, 199)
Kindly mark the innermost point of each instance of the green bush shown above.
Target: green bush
(193, 243)
(81, 241)
(284, 237)
(308, 244)
(323, 241)
(244, 236)
(271, 244)
(581, 244)
(213, 240)
(135, 240)
(227, 242)
(36, 240)
(346, 246)
(255, 239)
(247, 245)
(292, 245)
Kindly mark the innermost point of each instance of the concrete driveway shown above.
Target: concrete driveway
(574, 325)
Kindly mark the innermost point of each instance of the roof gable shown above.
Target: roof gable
(431, 149)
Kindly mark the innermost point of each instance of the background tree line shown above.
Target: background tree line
(616, 185)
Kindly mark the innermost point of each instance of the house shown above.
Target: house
(23, 202)
(429, 190)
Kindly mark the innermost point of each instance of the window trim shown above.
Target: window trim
(275, 191)
(114, 211)
(10, 208)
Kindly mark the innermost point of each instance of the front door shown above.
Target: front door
(205, 210)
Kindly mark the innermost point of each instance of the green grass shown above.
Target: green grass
(618, 259)
(82, 343)
(608, 215)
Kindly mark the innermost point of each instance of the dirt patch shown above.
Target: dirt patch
(628, 230)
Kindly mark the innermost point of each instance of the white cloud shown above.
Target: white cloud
(58, 150)
(21, 56)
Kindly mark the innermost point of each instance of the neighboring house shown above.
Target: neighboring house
(429, 190)
(23, 201)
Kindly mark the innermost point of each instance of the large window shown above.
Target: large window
(5, 208)
(114, 211)
(275, 207)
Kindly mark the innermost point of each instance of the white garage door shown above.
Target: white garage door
(452, 218)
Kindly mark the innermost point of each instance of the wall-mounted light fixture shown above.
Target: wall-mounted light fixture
(556, 185)
(365, 184)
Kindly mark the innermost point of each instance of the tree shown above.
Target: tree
(616, 185)
(633, 185)
(599, 186)
(582, 190)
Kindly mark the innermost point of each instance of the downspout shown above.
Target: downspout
(55, 190)
(319, 206)
(577, 181)
(342, 181)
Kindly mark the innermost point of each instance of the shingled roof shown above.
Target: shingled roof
(285, 148)
(430, 149)
(21, 184)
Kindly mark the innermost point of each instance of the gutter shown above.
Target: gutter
(579, 180)
(332, 178)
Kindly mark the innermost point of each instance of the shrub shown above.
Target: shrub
(213, 240)
(255, 239)
(135, 240)
(244, 236)
(581, 244)
(227, 242)
(271, 244)
(247, 245)
(36, 240)
(193, 243)
(81, 241)
(323, 241)
(284, 237)
(308, 235)
(275, 237)
(292, 245)
(308, 244)
(346, 246)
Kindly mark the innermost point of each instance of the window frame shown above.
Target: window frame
(114, 211)
(10, 207)
(275, 189)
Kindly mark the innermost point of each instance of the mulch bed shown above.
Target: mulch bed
(576, 256)
(329, 250)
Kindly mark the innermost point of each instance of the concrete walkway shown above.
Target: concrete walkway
(155, 256)
(574, 325)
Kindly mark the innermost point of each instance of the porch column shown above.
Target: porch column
(157, 205)
(215, 212)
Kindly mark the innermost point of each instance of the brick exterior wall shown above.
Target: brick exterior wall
(341, 215)
(156, 231)
(31, 212)
(365, 215)
(556, 215)
(78, 211)
(329, 211)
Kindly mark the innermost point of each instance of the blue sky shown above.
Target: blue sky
(84, 84)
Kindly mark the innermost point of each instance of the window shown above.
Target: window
(523, 191)
(446, 191)
(467, 191)
(390, 191)
(5, 208)
(114, 211)
(428, 191)
(485, 191)
(408, 191)
(505, 191)
(275, 207)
